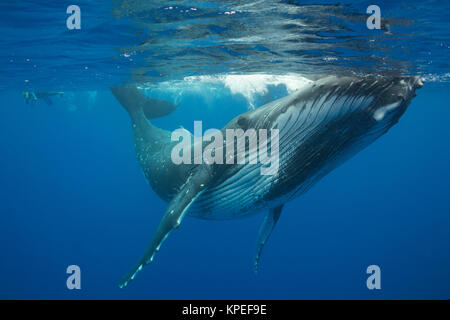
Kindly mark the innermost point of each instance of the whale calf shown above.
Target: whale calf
(320, 126)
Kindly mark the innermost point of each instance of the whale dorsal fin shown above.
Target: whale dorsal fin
(176, 210)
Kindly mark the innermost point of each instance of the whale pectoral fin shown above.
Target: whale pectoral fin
(171, 219)
(265, 231)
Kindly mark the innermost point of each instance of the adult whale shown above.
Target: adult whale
(320, 126)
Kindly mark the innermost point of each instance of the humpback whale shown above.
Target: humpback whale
(320, 126)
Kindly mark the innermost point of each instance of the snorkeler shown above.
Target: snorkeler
(45, 96)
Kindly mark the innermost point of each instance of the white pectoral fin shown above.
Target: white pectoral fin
(266, 230)
(171, 219)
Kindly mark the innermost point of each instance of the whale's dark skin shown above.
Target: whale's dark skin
(320, 126)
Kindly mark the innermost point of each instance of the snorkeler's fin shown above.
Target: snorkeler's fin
(176, 210)
(131, 98)
(265, 231)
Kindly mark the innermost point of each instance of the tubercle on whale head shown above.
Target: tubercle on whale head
(405, 87)
(418, 82)
(415, 83)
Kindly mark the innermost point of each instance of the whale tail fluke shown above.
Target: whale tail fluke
(132, 99)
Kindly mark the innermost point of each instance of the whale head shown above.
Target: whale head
(395, 99)
(330, 120)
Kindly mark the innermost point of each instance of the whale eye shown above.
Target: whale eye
(242, 122)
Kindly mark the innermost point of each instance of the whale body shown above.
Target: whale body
(320, 126)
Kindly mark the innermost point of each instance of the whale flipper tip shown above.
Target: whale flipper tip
(264, 233)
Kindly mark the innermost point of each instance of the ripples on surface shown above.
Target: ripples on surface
(164, 40)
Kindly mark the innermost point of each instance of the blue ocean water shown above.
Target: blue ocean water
(73, 193)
